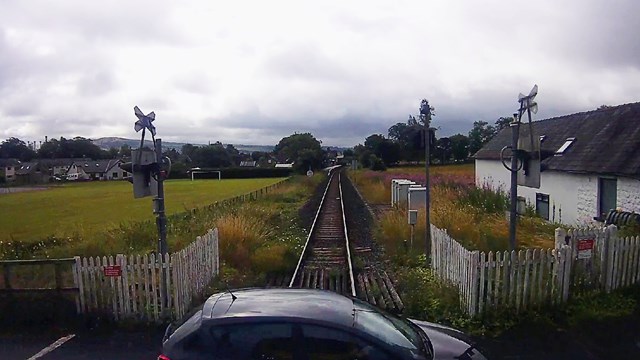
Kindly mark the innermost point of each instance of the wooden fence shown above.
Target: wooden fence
(536, 277)
(132, 286)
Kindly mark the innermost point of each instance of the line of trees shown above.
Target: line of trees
(405, 143)
(303, 150)
(77, 147)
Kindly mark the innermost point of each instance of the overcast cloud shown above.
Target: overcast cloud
(252, 72)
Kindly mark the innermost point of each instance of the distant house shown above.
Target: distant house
(286, 165)
(589, 164)
(57, 167)
(248, 163)
(30, 173)
(8, 169)
(87, 169)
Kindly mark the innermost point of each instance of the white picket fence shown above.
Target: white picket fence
(137, 292)
(535, 277)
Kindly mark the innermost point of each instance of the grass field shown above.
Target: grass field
(96, 206)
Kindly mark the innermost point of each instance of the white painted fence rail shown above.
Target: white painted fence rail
(137, 292)
(535, 277)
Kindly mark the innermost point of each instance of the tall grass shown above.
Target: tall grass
(473, 216)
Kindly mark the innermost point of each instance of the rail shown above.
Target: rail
(323, 261)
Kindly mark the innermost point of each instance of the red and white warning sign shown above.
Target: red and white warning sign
(112, 270)
(585, 248)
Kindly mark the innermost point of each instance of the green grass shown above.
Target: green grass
(93, 207)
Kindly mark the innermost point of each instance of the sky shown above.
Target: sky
(253, 72)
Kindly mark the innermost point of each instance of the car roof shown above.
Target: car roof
(304, 304)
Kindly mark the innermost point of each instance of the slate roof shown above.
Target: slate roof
(607, 141)
(26, 168)
(96, 166)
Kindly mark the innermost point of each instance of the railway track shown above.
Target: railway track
(326, 261)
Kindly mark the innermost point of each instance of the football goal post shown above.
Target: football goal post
(199, 171)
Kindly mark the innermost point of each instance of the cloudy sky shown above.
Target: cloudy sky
(252, 72)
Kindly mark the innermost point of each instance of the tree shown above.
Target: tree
(459, 147)
(16, 149)
(303, 149)
(112, 153)
(385, 149)
(442, 150)
(214, 156)
(125, 151)
(501, 123)
(234, 154)
(405, 135)
(188, 152)
(173, 154)
(77, 147)
(481, 133)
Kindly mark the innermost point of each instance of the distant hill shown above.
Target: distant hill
(116, 142)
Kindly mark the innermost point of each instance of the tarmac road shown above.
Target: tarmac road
(82, 345)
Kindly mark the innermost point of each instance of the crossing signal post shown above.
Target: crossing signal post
(148, 169)
(143, 168)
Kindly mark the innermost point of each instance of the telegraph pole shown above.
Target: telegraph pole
(425, 116)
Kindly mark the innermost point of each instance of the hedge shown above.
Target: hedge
(236, 173)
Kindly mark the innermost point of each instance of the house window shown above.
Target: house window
(565, 146)
(114, 175)
(8, 168)
(607, 196)
(542, 205)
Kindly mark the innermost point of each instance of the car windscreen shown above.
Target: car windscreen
(386, 327)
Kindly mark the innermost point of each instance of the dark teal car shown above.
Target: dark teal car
(307, 325)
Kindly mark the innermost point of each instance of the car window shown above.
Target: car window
(320, 343)
(389, 328)
(271, 341)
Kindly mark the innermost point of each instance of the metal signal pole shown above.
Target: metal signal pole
(515, 132)
(161, 218)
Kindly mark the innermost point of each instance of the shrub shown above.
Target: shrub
(275, 258)
(486, 200)
(240, 235)
(376, 164)
(427, 297)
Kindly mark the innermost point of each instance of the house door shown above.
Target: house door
(607, 196)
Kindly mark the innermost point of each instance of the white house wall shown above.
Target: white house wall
(629, 194)
(572, 197)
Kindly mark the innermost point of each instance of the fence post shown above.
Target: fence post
(568, 260)
(611, 235)
(475, 271)
(560, 236)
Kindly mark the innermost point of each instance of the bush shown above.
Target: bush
(274, 258)
(427, 297)
(240, 236)
(485, 199)
(376, 164)
(239, 173)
